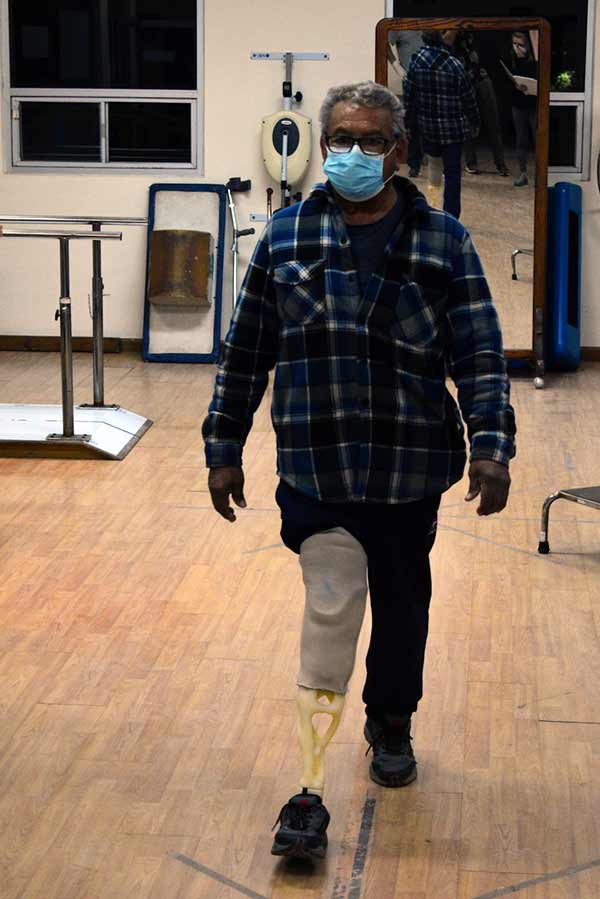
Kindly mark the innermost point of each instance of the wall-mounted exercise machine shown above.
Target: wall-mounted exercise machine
(287, 134)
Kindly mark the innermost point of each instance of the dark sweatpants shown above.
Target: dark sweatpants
(488, 111)
(525, 122)
(397, 540)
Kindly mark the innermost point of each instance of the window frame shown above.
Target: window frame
(11, 134)
(584, 99)
(579, 135)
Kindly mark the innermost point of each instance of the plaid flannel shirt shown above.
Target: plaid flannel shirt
(438, 96)
(360, 407)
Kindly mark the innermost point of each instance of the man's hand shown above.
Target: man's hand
(225, 481)
(492, 481)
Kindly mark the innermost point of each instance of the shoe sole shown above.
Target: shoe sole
(300, 849)
(393, 781)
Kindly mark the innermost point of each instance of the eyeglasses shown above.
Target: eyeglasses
(370, 146)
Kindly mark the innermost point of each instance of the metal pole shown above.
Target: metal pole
(97, 320)
(234, 245)
(284, 159)
(70, 235)
(68, 220)
(288, 59)
(66, 342)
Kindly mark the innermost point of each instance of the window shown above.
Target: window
(571, 63)
(103, 83)
(565, 135)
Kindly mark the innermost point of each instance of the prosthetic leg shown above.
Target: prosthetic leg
(434, 184)
(334, 568)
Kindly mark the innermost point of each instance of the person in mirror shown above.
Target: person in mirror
(462, 45)
(441, 105)
(362, 297)
(415, 155)
(523, 104)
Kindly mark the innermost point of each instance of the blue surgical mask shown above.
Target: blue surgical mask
(355, 175)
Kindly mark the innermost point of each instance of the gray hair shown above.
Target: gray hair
(364, 93)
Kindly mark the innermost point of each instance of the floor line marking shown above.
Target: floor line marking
(513, 492)
(525, 884)
(515, 549)
(566, 721)
(537, 518)
(202, 869)
(260, 549)
(362, 847)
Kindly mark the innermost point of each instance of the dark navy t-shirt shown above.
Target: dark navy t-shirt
(368, 243)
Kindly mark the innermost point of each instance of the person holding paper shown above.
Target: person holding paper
(524, 99)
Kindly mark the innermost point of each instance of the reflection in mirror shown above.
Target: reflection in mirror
(471, 107)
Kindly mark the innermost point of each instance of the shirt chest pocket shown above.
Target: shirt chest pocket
(419, 315)
(300, 290)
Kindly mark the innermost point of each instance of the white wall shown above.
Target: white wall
(591, 220)
(238, 92)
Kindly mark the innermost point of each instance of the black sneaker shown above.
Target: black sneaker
(302, 830)
(413, 173)
(393, 763)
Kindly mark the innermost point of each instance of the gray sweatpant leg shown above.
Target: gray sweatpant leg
(334, 568)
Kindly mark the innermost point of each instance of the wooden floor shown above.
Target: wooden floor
(148, 656)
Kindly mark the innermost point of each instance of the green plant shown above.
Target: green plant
(564, 81)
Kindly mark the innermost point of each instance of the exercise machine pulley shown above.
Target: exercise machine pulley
(287, 134)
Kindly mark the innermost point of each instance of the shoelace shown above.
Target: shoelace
(391, 745)
(299, 816)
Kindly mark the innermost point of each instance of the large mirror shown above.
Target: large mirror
(476, 95)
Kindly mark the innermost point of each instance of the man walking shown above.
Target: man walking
(361, 297)
(441, 105)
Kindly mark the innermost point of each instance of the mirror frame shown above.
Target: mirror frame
(536, 354)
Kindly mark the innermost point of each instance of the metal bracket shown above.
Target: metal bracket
(94, 406)
(76, 438)
(277, 55)
(539, 348)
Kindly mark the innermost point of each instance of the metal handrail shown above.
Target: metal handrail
(64, 313)
(69, 220)
(70, 235)
(96, 223)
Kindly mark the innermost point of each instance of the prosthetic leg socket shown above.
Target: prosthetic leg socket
(334, 568)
